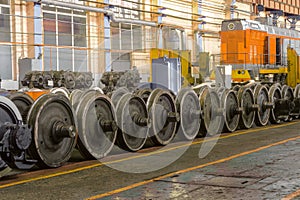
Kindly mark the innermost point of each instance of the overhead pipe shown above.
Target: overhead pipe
(107, 12)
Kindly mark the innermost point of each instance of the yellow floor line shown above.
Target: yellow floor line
(190, 169)
(143, 155)
(292, 196)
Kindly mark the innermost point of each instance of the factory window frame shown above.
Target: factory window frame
(5, 36)
(125, 38)
(65, 39)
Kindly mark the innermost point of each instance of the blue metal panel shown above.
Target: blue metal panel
(167, 72)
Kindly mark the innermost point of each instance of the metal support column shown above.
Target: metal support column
(38, 40)
(107, 41)
(232, 8)
(160, 44)
(200, 27)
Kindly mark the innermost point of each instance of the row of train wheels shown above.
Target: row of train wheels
(45, 131)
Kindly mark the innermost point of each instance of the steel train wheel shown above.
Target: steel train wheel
(232, 113)
(18, 139)
(296, 111)
(61, 90)
(97, 128)
(117, 94)
(188, 106)
(212, 112)
(144, 93)
(274, 97)
(288, 94)
(164, 117)
(23, 102)
(246, 102)
(132, 121)
(8, 113)
(261, 98)
(54, 130)
(75, 97)
(236, 88)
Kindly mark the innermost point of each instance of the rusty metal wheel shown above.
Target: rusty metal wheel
(189, 108)
(97, 128)
(54, 130)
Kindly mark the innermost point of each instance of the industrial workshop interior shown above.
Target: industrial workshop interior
(150, 99)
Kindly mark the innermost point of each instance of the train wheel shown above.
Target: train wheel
(144, 93)
(212, 112)
(23, 102)
(19, 136)
(117, 94)
(288, 94)
(54, 130)
(232, 114)
(296, 111)
(274, 96)
(189, 108)
(61, 90)
(133, 122)
(246, 101)
(75, 97)
(261, 98)
(8, 113)
(164, 117)
(97, 128)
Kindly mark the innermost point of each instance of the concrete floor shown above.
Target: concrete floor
(260, 163)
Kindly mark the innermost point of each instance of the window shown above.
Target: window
(125, 38)
(64, 37)
(5, 50)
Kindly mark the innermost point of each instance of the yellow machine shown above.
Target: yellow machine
(289, 75)
(293, 70)
(185, 60)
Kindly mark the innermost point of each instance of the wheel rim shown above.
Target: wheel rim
(261, 98)
(160, 104)
(44, 115)
(189, 108)
(232, 117)
(246, 100)
(131, 113)
(95, 140)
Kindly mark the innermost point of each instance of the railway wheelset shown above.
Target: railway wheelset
(45, 132)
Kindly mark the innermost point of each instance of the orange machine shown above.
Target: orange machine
(257, 47)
